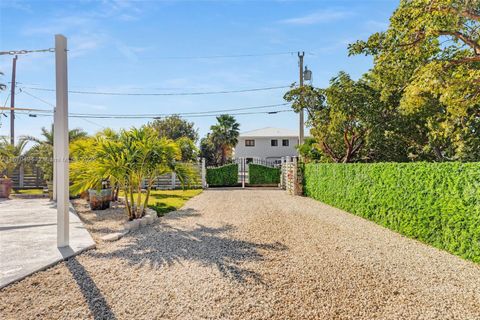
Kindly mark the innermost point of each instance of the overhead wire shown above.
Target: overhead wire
(93, 116)
(162, 93)
(158, 114)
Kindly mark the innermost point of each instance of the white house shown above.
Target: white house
(270, 144)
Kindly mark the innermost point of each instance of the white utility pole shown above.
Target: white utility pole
(301, 124)
(60, 154)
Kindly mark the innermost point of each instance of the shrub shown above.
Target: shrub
(259, 174)
(223, 176)
(437, 203)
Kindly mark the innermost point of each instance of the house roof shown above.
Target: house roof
(270, 132)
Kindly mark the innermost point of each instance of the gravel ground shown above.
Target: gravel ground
(252, 254)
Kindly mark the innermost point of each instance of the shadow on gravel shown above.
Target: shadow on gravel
(95, 300)
(164, 245)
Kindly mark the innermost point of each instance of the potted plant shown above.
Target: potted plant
(7, 164)
(100, 199)
(5, 187)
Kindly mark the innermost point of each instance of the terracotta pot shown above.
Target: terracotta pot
(100, 199)
(5, 187)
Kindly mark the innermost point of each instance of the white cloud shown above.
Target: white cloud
(318, 17)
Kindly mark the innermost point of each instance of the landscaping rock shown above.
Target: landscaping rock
(252, 254)
(144, 221)
(132, 225)
(112, 236)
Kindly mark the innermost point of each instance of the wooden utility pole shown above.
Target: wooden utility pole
(300, 65)
(60, 144)
(12, 101)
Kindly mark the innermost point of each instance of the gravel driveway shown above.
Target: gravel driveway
(253, 254)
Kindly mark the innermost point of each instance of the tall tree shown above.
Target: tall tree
(345, 118)
(429, 57)
(225, 134)
(174, 127)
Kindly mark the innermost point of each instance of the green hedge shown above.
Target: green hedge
(223, 176)
(259, 174)
(437, 203)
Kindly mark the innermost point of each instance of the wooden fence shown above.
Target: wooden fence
(27, 177)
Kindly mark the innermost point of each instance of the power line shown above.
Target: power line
(245, 55)
(37, 98)
(163, 93)
(159, 114)
(188, 113)
(92, 122)
(93, 116)
(14, 52)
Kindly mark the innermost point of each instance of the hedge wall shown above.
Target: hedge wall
(437, 203)
(226, 175)
(259, 174)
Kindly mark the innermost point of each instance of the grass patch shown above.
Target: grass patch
(163, 201)
(28, 191)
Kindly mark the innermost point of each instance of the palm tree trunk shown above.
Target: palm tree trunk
(147, 196)
(129, 209)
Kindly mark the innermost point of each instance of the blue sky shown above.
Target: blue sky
(139, 46)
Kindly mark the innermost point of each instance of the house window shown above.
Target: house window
(274, 143)
(285, 142)
(249, 143)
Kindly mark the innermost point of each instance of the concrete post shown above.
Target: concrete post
(204, 174)
(61, 141)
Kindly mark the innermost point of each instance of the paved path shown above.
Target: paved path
(253, 254)
(28, 237)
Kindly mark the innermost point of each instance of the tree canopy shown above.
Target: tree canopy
(174, 127)
(429, 59)
(420, 101)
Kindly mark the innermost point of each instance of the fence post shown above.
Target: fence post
(21, 176)
(174, 180)
(243, 171)
(204, 174)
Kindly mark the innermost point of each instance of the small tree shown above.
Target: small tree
(129, 159)
(210, 151)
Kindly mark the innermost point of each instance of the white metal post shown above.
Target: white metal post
(204, 174)
(61, 141)
(55, 143)
(243, 171)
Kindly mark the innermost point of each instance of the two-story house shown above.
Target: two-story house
(270, 144)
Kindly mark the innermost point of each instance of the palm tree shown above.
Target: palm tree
(225, 134)
(47, 135)
(11, 155)
(42, 151)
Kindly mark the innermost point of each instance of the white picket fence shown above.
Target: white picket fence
(170, 181)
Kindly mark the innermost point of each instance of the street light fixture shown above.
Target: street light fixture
(307, 74)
